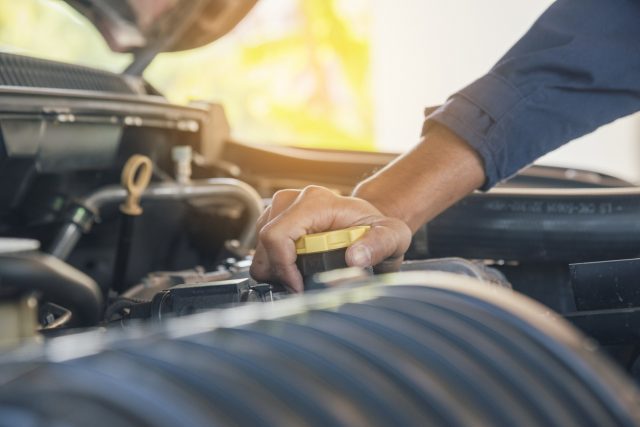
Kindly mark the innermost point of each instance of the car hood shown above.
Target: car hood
(162, 25)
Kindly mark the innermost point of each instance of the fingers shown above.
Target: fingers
(261, 268)
(263, 218)
(388, 239)
(282, 200)
(293, 214)
(315, 209)
(279, 202)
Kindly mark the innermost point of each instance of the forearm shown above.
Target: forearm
(419, 185)
(572, 72)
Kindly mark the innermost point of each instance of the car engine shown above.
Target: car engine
(127, 229)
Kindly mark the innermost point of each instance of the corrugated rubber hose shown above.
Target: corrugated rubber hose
(423, 349)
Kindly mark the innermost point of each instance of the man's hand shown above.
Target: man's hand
(395, 202)
(294, 213)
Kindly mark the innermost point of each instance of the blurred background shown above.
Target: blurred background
(338, 74)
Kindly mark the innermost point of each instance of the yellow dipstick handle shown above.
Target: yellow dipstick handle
(136, 175)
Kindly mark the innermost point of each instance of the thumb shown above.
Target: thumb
(387, 238)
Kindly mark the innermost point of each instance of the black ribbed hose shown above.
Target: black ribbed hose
(424, 349)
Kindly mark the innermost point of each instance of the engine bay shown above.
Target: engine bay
(87, 247)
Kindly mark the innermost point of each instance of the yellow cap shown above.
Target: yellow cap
(330, 240)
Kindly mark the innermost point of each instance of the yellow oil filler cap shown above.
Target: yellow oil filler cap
(326, 251)
(330, 240)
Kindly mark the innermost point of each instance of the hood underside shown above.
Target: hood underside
(162, 25)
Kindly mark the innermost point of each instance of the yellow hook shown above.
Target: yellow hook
(136, 175)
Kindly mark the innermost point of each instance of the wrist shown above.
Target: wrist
(419, 185)
(374, 191)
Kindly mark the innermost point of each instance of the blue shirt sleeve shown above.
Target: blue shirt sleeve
(575, 70)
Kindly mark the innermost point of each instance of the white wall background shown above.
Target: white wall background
(424, 50)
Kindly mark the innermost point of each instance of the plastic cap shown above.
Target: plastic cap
(330, 240)
(182, 153)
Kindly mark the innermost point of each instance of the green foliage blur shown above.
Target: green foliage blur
(294, 72)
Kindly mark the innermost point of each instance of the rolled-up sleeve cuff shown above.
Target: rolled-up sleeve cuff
(473, 114)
